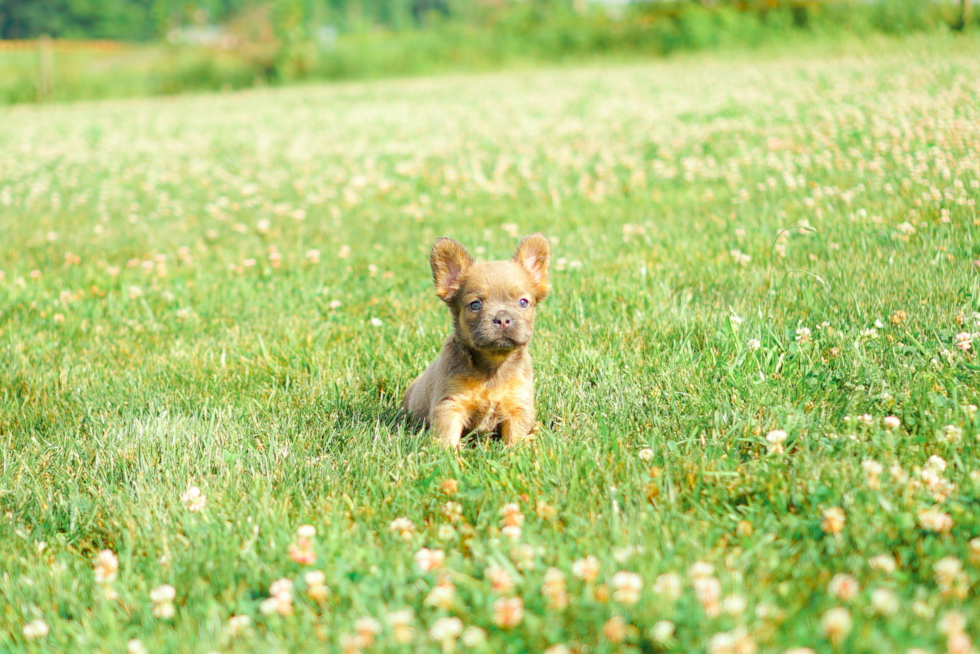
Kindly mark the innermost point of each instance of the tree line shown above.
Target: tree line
(146, 20)
(297, 20)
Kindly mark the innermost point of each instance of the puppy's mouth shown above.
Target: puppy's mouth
(498, 344)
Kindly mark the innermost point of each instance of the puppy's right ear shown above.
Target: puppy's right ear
(449, 260)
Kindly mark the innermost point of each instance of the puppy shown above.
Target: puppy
(482, 380)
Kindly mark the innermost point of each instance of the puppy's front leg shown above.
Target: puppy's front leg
(516, 427)
(448, 420)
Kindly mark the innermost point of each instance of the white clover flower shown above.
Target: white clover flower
(106, 567)
(700, 570)
(282, 586)
(669, 586)
(734, 605)
(844, 587)
(162, 598)
(952, 622)
(776, 438)
(662, 632)
(193, 499)
(36, 629)
(935, 520)
(403, 527)
(952, 434)
(238, 624)
(627, 587)
(512, 533)
(474, 637)
(836, 624)
(872, 467)
(883, 562)
(427, 560)
(884, 602)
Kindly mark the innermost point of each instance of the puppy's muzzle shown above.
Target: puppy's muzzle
(503, 321)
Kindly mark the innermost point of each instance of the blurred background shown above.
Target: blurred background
(56, 50)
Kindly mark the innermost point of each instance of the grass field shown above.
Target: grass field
(231, 292)
(479, 38)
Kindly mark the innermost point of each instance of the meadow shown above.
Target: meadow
(260, 48)
(756, 375)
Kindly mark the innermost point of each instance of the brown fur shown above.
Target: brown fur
(482, 379)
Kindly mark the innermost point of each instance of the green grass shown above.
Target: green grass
(505, 37)
(163, 324)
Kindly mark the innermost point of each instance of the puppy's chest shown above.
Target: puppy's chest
(488, 405)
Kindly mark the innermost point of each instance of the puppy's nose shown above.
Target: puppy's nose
(503, 319)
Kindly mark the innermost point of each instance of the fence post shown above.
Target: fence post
(45, 68)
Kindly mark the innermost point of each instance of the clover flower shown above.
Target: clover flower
(836, 624)
(844, 587)
(554, 589)
(36, 629)
(586, 569)
(280, 600)
(316, 586)
(302, 550)
(445, 631)
(508, 612)
(427, 560)
(669, 586)
(627, 587)
(401, 623)
(833, 521)
(776, 438)
(512, 516)
(163, 598)
(500, 579)
(662, 632)
(403, 527)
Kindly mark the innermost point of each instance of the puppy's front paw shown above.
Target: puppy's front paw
(447, 443)
(516, 433)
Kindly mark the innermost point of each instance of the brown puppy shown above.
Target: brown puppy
(482, 379)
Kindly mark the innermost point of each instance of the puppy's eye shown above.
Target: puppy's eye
(476, 305)
(522, 303)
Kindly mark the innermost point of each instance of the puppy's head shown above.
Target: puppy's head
(492, 302)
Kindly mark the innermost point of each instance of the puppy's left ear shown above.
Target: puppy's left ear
(534, 254)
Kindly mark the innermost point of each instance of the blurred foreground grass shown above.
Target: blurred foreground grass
(756, 263)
